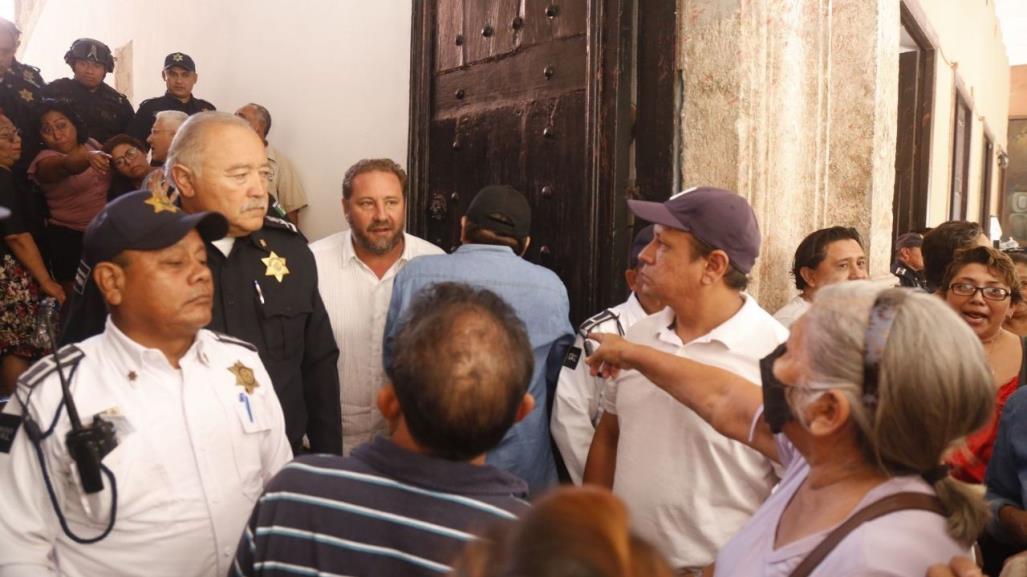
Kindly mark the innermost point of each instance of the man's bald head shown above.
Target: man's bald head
(462, 367)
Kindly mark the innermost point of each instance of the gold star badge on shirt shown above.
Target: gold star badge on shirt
(161, 203)
(244, 377)
(26, 95)
(275, 266)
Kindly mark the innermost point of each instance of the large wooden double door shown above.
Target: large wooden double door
(535, 94)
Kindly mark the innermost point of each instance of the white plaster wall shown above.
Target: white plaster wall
(333, 73)
(972, 47)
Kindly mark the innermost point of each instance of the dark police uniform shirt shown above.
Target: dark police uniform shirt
(144, 118)
(20, 92)
(908, 277)
(285, 319)
(105, 111)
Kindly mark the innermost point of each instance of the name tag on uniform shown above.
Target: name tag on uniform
(9, 425)
(573, 356)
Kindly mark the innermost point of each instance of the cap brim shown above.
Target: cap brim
(656, 213)
(211, 226)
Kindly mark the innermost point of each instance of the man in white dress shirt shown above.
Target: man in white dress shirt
(576, 404)
(355, 271)
(687, 487)
(825, 257)
(198, 427)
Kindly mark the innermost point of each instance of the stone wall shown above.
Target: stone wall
(792, 104)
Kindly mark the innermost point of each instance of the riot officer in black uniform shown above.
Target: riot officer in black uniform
(179, 75)
(265, 279)
(105, 111)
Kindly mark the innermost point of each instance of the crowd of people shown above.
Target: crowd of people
(222, 398)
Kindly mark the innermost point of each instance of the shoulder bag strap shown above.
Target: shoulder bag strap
(879, 508)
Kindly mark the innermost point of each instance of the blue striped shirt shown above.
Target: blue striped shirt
(382, 511)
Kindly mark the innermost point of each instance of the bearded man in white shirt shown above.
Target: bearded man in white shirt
(355, 270)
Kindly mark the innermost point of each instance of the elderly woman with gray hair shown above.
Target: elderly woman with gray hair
(860, 419)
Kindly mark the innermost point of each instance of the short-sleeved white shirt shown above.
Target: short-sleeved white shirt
(689, 488)
(788, 314)
(901, 544)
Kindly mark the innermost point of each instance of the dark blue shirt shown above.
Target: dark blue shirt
(1007, 470)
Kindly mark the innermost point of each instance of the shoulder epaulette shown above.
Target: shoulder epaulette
(222, 337)
(280, 223)
(69, 355)
(598, 319)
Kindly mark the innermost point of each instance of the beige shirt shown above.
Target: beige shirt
(358, 303)
(285, 181)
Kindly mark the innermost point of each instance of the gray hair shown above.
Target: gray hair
(188, 146)
(934, 387)
(174, 118)
(265, 116)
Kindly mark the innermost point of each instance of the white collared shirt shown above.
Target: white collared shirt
(358, 302)
(576, 404)
(194, 452)
(689, 488)
(795, 308)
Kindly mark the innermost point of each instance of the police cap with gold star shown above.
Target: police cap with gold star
(180, 60)
(144, 220)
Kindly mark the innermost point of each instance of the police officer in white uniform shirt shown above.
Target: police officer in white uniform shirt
(576, 405)
(193, 427)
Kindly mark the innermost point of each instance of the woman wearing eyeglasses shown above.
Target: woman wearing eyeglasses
(74, 175)
(871, 389)
(24, 278)
(981, 285)
(128, 156)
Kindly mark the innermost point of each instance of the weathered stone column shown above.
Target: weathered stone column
(792, 103)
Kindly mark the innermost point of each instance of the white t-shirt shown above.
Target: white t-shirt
(357, 302)
(788, 314)
(901, 544)
(688, 488)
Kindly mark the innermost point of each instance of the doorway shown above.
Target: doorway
(913, 135)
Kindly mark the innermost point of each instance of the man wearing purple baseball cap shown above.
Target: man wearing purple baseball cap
(576, 402)
(688, 488)
(197, 427)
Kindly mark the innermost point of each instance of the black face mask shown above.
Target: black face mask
(776, 411)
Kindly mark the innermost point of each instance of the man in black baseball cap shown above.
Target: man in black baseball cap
(706, 241)
(180, 77)
(104, 110)
(495, 232)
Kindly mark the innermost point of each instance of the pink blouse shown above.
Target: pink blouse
(75, 200)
